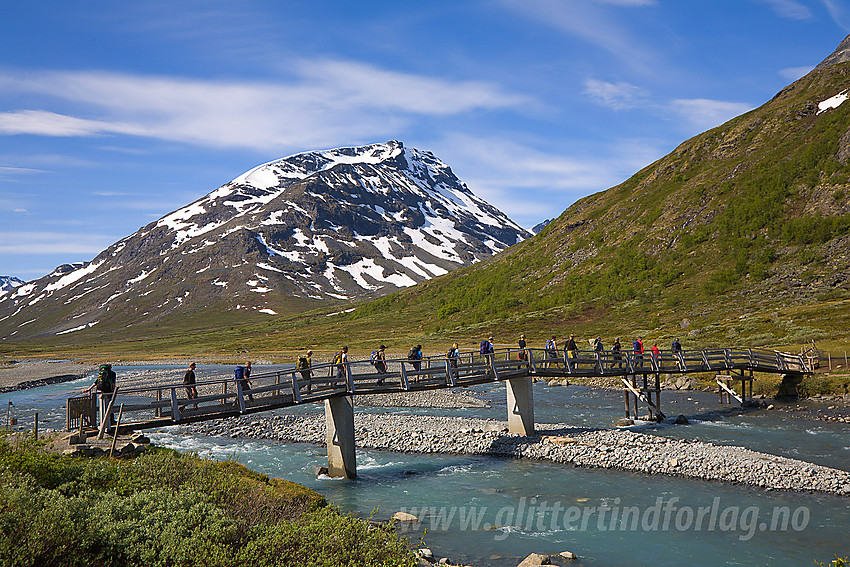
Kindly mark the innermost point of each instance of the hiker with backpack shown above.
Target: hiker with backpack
(189, 383)
(105, 386)
(340, 359)
(303, 365)
(415, 357)
(379, 361)
(551, 348)
(241, 375)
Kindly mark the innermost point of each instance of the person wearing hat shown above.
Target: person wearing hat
(189, 383)
(523, 354)
(380, 363)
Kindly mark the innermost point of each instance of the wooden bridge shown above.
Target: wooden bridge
(336, 384)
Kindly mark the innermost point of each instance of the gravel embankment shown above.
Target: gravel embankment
(561, 443)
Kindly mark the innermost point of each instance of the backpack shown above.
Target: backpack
(373, 358)
(550, 344)
(413, 354)
(302, 363)
(105, 378)
(484, 348)
(239, 373)
(337, 358)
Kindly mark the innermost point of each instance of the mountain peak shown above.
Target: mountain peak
(344, 223)
(840, 55)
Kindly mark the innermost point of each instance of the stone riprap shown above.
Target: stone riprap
(611, 449)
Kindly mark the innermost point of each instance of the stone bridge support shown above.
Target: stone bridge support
(520, 405)
(339, 421)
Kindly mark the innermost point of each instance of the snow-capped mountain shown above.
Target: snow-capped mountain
(10, 282)
(336, 224)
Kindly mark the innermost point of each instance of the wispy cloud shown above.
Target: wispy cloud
(705, 114)
(789, 9)
(594, 24)
(618, 96)
(327, 100)
(507, 173)
(794, 73)
(838, 12)
(33, 242)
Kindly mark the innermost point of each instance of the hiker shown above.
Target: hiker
(453, 356)
(105, 386)
(676, 347)
(379, 361)
(637, 348)
(571, 348)
(189, 382)
(340, 360)
(523, 354)
(551, 348)
(486, 346)
(656, 353)
(304, 366)
(618, 358)
(415, 357)
(598, 349)
(241, 375)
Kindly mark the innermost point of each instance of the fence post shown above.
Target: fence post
(175, 407)
(35, 426)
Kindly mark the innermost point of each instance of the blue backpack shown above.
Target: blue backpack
(239, 373)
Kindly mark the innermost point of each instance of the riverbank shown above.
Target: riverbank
(561, 443)
(32, 374)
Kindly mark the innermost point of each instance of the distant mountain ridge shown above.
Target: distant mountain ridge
(10, 282)
(324, 225)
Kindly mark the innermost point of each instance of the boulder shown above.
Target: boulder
(423, 552)
(569, 555)
(405, 518)
(535, 559)
(624, 422)
(682, 420)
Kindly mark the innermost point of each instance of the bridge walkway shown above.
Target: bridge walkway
(335, 384)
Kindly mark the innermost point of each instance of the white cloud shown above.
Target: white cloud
(705, 114)
(327, 101)
(789, 9)
(794, 73)
(529, 184)
(838, 13)
(44, 123)
(618, 96)
(32, 242)
(592, 23)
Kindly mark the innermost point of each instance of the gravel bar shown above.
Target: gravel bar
(604, 448)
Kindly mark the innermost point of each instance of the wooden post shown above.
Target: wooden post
(628, 409)
(107, 414)
(117, 428)
(658, 391)
(35, 426)
(175, 408)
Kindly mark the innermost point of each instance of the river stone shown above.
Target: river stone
(535, 559)
(568, 555)
(682, 420)
(423, 552)
(404, 517)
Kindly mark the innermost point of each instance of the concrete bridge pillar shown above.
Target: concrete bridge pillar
(520, 405)
(339, 421)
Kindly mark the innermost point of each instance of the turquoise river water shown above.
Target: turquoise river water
(493, 511)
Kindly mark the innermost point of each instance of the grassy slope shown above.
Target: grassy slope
(739, 236)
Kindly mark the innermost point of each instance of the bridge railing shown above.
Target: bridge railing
(170, 402)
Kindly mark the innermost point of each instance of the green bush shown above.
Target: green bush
(165, 509)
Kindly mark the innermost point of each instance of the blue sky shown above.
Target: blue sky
(113, 114)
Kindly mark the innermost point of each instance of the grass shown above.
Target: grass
(164, 508)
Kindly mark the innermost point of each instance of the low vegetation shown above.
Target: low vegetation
(164, 508)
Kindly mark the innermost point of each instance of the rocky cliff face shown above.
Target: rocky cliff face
(327, 225)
